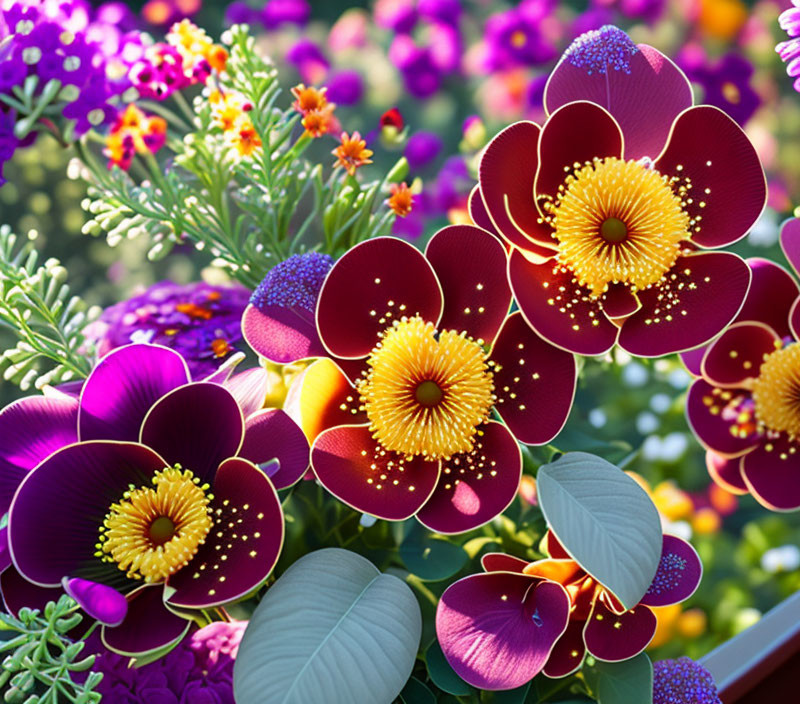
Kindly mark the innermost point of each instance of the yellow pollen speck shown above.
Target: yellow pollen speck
(776, 391)
(423, 395)
(618, 222)
(153, 532)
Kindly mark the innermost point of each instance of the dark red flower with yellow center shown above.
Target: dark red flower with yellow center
(745, 407)
(425, 383)
(608, 204)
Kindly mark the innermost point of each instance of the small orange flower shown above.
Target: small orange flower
(308, 98)
(228, 110)
(217, 57)
(319, 122)
(402, 200)
(134, 132)
(352, 153)
(246, 139)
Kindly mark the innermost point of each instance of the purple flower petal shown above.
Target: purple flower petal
(249, 388)
(272, 434)
(478, 487)
(790, 242)
(568, 652)
(31, 429)
(149, 625)
(103, 603)
(727, 472)
(497, 629)
(614, 637)
(18, 592)
(196, 426)
(122, 388)
(678, 574)
(243, 545)
(56, 514)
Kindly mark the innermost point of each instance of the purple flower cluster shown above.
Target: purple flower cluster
(199, 669)
(274, 15)
(683, 681)
(78, 55)
(200, 321)
(790, 50)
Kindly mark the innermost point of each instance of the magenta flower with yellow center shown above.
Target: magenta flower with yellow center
(608, 206)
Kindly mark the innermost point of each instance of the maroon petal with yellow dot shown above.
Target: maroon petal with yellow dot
(715, 159)
(471, 267)
(477, 486)
(576, 133)
(699, 296)
(534, 382)
(242, 545)
(722, 419)
(356, 469)
(678, 574)
(734, 359)
(506, 174)
(148, 626)
(374, 284)
(619, 303)
(568, 652)
(197, 426)
(641, 87)
(772, 473)
(773, 291)
(559, 309)
(614, 637)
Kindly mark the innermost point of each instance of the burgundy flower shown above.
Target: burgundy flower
(608, 204)
(500, 629)
(416, 351)
(149, 486)
(742, 407)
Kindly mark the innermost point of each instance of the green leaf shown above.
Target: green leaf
(604, 520)
(432, 559)
(512, 696)
(444, 676)
(416, 692)
(626, 682)
(332, 623)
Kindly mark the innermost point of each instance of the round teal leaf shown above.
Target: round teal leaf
(431, 559)
(444, 676)
(626, 682)
(332, 629)
(604, 520)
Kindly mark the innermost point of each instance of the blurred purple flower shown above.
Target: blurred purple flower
(309, 60)
(447, 11)
(683, 681)
(422, 76)
(516, 37)
(345, 87)
(646, 10)
(398, 15)
(725, 83)
(8, 142)
(200, 321)
(444, 41)
(199, 669)
(790, 50)
(239, 12)
(280, 12)
(422, 148)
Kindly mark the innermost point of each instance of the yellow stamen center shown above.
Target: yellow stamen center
(423, 395)
(618, 222)
(154, 531)
(776, 391)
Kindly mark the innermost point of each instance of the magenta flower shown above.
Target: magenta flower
(417, 349)
(742, 408)
(501, 628)
(790, 49)
(615, 197)
(149, 486)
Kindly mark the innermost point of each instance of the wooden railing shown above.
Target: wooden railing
(761, 664)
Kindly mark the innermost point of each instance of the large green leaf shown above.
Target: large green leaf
(604, 520)
(332, 630)
(444, 676)
(431, 559)
(626, 682)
